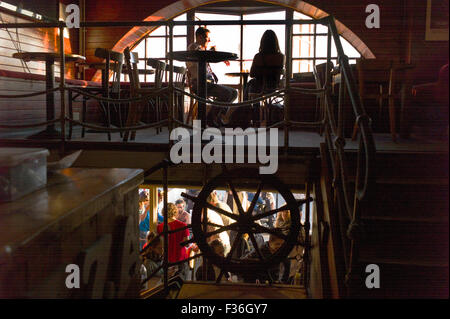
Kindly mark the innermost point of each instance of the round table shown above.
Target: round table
(202, 58)
(244, 76)
(50, 58)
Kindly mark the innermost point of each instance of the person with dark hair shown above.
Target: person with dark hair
(144, 217)
(221, 93)
(183, 215)
(152, 258)
(267, 67)
(212, 271)
(269, 248)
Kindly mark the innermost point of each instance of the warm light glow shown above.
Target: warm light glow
(8, 6)
(27, 13)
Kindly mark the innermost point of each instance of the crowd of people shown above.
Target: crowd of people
(180, 249)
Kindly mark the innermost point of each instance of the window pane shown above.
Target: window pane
(349, 50)
(140, 49)
(180, 30)
(179, 44)
(301, 16)
(156, 47)
(322, 47)
(253, 33)
(321, 28)
(247, 65)
(221, 68)
(159, 31)
(302, 66)
(302, 28)
(303, 46)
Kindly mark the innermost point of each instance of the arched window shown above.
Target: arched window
(309, 41)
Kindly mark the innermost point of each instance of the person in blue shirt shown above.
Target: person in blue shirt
(144, 218)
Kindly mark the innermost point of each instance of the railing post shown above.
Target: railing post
(171, 90)
(286, 123)
(306, 257)
(62, 83)
(165, 231)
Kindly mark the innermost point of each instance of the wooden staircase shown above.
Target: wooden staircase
(405, 228)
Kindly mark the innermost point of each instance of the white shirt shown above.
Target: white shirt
(215, 218)
(193, 66)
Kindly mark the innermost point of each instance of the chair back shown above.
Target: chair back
(114, 63)
(272, 81)
(320, 73)
(160, 68)
(131, 61)
(179, 79)
(193, 105)
(374, 77)
(179, 76)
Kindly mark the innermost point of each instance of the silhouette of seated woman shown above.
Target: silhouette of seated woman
(266, 69)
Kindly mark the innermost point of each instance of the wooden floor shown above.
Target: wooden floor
(203, 290)
(297, 140)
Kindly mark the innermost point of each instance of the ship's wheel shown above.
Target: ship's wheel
(243, 221)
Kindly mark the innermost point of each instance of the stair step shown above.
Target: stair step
(424, 165)
(407, 219)
(387, 238)
(409, 200)
(402, 180)
(414, 262)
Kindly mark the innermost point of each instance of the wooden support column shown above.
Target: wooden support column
(153, 192)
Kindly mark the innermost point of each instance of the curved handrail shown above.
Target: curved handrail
(365, 175)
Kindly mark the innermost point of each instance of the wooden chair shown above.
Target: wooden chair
(135, 110)
(269, 104)
(193, 104)
(376, 82)
(320, 74)
(179, 81)
(160, 68)
(114, 64)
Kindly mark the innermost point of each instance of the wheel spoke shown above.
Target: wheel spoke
(270, 212)
(269, 276)
(256, 247)
(284, 207)
(274, 231)
(236, 197)
(255, 198)
(220, 230)
(210, 206)
(213, 225)
(230, 254)
(190, 241)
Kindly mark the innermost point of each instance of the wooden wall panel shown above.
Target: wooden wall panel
(13, 40)
(33, 109)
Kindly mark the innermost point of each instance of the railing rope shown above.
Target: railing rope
(146, 96)
(29, 125)
(119, 129)
(18, 96)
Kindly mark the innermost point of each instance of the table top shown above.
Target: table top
(64, 203)
(44, 56)
(200, 55)
(237, 73)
